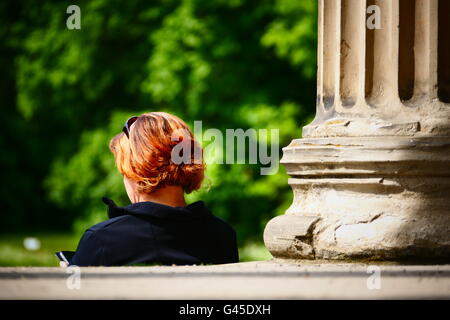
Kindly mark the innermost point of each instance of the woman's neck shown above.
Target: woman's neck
(169, 195)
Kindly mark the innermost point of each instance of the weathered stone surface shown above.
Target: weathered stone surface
(253, 280)
(372, 199)
(291, 236)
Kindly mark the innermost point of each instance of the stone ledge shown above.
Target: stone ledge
(252, 280)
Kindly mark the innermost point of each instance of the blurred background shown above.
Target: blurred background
(65, 93)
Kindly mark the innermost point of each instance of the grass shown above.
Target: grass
(254, 252)
(13, 252)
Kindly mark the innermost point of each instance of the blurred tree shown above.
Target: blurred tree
(231, 64)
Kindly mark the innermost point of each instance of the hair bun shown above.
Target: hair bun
(146, 157)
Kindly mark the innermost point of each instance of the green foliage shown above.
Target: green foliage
(292, 32)
(66, 93)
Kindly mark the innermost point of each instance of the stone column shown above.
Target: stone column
(371, 175)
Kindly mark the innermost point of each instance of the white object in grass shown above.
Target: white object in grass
(31, 244)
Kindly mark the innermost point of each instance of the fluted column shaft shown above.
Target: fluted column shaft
(384, 75)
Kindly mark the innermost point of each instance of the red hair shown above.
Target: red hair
(146, 156)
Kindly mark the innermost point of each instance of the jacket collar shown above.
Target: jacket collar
(153, 209)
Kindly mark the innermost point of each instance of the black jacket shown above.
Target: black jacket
(152, 233)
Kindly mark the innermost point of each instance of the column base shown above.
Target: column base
(378, 198)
